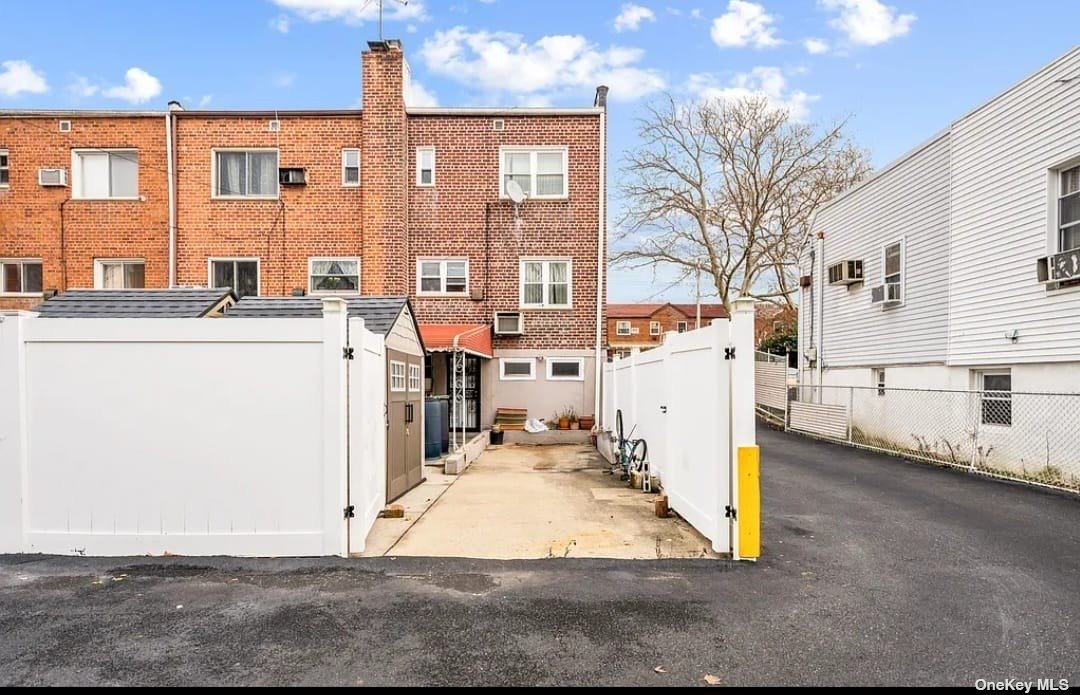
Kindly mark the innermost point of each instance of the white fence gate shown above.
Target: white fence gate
(692, 400)
(188, 436)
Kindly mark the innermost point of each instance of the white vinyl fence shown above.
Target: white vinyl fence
(692, 400)
(188, 436)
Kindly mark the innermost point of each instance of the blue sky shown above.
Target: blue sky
(901, 70)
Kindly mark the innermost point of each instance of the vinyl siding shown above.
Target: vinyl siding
(1003, 218)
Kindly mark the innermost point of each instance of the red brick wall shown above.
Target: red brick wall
(668, 317)
(30, 215)
(449, 220)
(322, 218)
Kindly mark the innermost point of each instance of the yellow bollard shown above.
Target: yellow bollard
(749, 502)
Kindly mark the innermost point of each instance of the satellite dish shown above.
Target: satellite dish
(514, 192)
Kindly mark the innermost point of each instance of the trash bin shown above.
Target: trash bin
(444, 414)
(433, 426)
(496, 437)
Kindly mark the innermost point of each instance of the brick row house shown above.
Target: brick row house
(380, 200)
(642, 326)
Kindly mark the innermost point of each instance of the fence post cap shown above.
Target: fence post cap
(333, 305)
(744, 305)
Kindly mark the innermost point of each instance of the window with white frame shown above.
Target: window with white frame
(20, 275)
(350, 167)
(996, 397)
(517, 369)
(654, 328)
(5, 169)
(892, 266)
(333, 275)
(1069, 210)
(681, 326)
(541, 172)
(397, 376)
(879, 381)
(545, 284)
(425, 166)
(442, 276)
(566, 369)
(105, 174)
(622, 328)
(414, 378)
(241, 275)
(119, 273)
(245, 173)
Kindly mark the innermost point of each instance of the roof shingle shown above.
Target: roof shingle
(181, 302)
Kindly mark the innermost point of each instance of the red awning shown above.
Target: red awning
(474, 338)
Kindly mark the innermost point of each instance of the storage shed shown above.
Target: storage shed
(176, 303)
(393, 318)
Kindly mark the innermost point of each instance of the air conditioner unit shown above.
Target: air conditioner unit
(292, 176)
(1061, 267)
(886, 295)
(845, 273)
(52, 177)
(508, 323)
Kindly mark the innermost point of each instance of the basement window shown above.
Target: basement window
(996, 397)
(566, 369)
(517, 369)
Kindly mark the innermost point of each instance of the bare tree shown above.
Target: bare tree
(731, 187)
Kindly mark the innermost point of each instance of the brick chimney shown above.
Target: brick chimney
(384, 171)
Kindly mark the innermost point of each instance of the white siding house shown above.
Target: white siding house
(973, 209)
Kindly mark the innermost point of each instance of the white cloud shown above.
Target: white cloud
(139, 87)
(83, 88)
(284, 79)
(816, 46)
(205, 100)
(631, 17)
(745, 24)
(551, 67)
(352, 11)
(768, 82)
(20, 77)
(281, 23)
(416, 94)
(868, 22)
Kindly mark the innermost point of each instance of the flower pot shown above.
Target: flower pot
(564, 423)
(575, 425)
(587, 422)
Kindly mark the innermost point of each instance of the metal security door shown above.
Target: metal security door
(469, 374)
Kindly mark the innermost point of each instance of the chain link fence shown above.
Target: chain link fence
(1027, 437)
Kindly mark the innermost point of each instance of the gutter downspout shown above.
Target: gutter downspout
(170, 165)
(821, 312)
(601, 239)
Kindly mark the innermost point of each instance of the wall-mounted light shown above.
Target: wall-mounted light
(1012, 335)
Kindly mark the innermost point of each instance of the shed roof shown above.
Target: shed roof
(379, 313)
(180, 302)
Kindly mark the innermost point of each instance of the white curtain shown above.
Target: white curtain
(264, 173)
(559, 284)
(231, 173)
(112, 276)
(124, 174)
(549, 173)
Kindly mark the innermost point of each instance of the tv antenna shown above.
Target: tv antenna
(516, 194)
(403, 3)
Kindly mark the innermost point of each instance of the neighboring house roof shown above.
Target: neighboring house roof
(379, 313)
(641, 311)
(474, 338)
(181, 302)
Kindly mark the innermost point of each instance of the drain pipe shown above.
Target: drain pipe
(170, 166)
(601, 239)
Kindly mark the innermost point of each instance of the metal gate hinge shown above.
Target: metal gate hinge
(347, 353)
(729, 353)
(350, 512)
(730, 512)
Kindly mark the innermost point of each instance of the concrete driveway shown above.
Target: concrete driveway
(875, 572)
(530, 502)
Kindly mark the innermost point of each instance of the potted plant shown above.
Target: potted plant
(574, 422)
(496, 435)
(564, 418)
(587, 422)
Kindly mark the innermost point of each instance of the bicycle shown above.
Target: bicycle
(630, 455)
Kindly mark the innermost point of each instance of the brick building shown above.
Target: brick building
(642, 326)
(378, 200)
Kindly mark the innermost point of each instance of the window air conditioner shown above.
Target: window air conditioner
(508, 323)
(52, 177)
(886, 295)
(845, 273)
(293, 176)
(1061, 267)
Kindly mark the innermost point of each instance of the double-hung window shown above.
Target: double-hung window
(654, 328)
(245, 174)
(20, 276)
(545, 284)
(105, 174)
(442, 276)
(5, 171)
(1069, 210)
(681, 326)
(425, 166)
(119, 274)
(996, 396)
(541, 172)
(350, 168)
(892, 264)
(239, 274)
(334, 275)
(622, 328)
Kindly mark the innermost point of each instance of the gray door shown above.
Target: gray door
(405, 434)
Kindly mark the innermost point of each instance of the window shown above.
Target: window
(517, 369)
(622, 328)
(654, 328)
(334, 275)
(541, 173)
(892, 263)
(100, 175)
(4, 169)
(449, 276)
(566, 369)
(879, 380)
(545, 284)
(239, 274)
(245, 174)
(681, 326)
(414, 378)
(21, 276)
(119, 274)
(350, 168)
(996, 397)
(397, 376)
(1068, 209)
(425, 166)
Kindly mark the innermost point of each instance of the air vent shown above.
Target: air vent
(292, 176)
(508, 323)
(65, 126)
(52, 177)
(275, 126)
(498, 125)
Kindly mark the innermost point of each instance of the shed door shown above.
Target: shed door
(404, 436)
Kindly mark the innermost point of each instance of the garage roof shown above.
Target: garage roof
(379, 313)
(181, 302)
